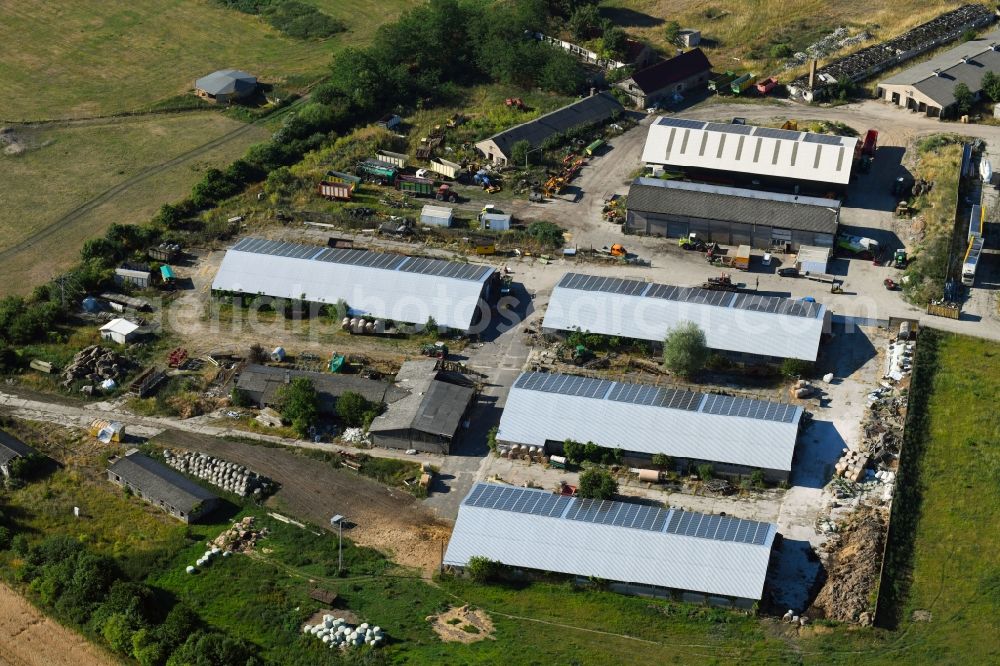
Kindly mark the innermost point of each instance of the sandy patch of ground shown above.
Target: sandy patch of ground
(28, 638)
(461, 624)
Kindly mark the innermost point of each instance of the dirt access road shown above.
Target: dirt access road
(386, 519)
(28, 638)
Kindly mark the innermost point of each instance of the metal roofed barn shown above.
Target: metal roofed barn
(226, 85)
(738, 434)
(757, 327)
(644, 549)
(730, 215)
(930, 86)
(587, 111)
(161, 486)
(374, 284)
(430, 417)
(723, 151)
(261, 383)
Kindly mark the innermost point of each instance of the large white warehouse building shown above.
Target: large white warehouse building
(746, 327)
(638, 548)
(374, 284)
(735, 434)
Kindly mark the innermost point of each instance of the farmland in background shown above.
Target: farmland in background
(67, 165)
(88, 58)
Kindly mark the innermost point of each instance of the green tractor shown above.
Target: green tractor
(581, 355)
(899, 258)
(436, 350)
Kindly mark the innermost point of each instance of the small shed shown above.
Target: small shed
(134, 274)
(225, 86)
(495, 221)
(11, 448)
(119, 330)
(689, 37)
(437, 216)
(812, 259)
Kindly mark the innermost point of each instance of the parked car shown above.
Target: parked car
(766, 261)
(790, 271)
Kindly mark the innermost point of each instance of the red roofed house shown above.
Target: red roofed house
(679, 74)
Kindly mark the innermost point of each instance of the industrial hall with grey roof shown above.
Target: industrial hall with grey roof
(929, 87)
(161, 486)
(587, 111)
(637, 548)
(730, 215)
(736, 434)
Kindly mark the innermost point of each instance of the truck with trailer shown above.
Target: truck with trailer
(335, 191)
(741, 260)
(425, 187)
(971, 263)
(377, 171)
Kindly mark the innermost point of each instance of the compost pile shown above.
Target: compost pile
(234, 478)
(242, 537)
(855, 561)
(95, 364)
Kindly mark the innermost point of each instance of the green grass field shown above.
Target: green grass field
(956, 563)
(68, 165)
(88, 58)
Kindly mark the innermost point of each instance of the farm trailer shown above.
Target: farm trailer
(396, 159)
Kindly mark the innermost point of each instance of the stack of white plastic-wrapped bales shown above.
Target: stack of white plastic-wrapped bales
(207, 558)
(237, 479)
(335, 631)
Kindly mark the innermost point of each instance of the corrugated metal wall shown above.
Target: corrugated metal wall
(761, 236)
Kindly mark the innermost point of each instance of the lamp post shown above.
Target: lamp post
(338, 520)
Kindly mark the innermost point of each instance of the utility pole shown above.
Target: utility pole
(338, 520)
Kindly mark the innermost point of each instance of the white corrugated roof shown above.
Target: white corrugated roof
(748, 149)
(533, 417)
(437, 211)
(611, 552)
(405, 289)
(121, 326)
(727, 328)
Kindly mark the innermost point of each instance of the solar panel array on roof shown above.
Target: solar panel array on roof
(827, 139)
(445, 269)
(684, 123)
(619, 514)
(729, 405)
(655, 396)
(770, 133)
(718, 528)
(775, 305)
(729, 128)
(607, 284)
(365, 258)
(564, 384)
(509, 498)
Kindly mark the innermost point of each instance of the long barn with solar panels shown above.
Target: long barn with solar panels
(373, 284)
(736, 435)
(746, 155)
(746, 327)
(640, 549)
